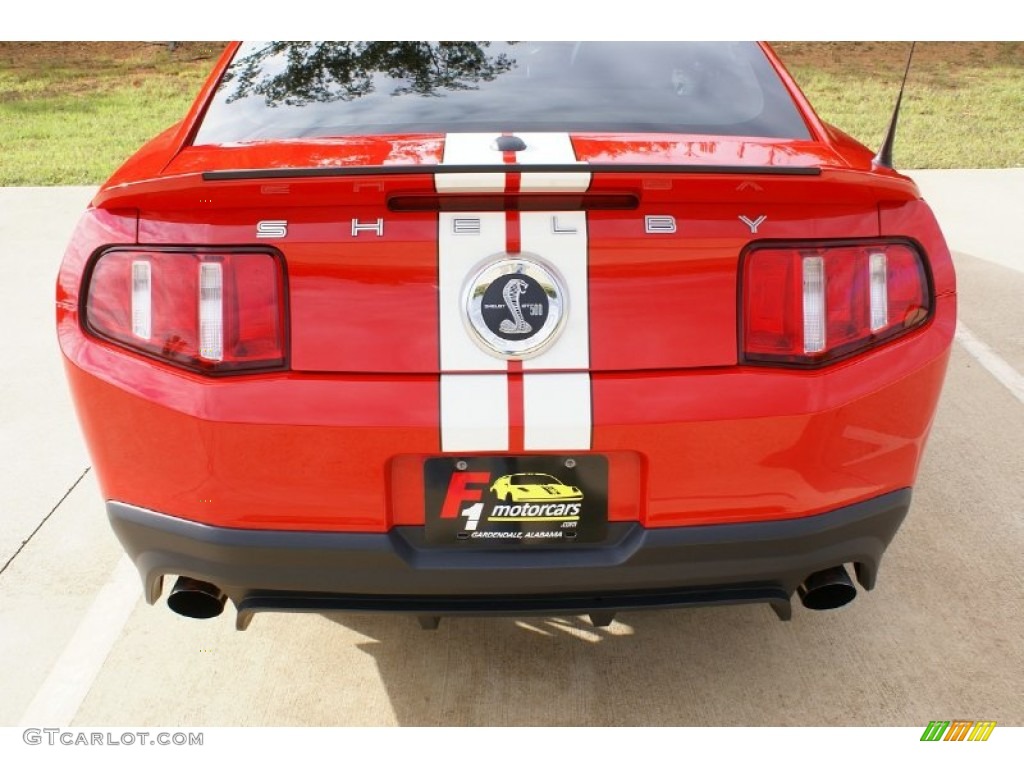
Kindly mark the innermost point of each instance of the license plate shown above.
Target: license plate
(516, 500)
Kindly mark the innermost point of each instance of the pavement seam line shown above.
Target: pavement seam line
(1003, 372)
(43, 521)
(72, 676)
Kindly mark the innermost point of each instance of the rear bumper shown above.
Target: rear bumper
(637, 567)
(298, 452)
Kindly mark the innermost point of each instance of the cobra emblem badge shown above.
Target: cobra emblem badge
(515, 306)
(511, 292)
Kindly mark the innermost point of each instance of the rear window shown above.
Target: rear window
(294, 90)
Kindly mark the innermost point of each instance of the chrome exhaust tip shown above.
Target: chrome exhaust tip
(824, 590)
(196, 599)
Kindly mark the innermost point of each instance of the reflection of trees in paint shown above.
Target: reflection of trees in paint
(298, 73)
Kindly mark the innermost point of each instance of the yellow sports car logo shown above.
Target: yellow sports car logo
(534, 487)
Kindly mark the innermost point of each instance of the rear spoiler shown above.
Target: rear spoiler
(399, 170)
(257, 187)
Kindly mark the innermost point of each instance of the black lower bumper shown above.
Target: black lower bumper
(635, 567)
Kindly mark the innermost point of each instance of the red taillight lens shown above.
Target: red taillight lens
(808, 305)
(205, 310)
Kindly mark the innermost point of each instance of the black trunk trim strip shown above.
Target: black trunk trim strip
(413, 170)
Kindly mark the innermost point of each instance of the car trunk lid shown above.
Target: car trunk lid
(381, 237)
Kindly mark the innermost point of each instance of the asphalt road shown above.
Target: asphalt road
(939, 638)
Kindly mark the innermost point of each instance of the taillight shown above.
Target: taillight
(812, 304)
(207, 310)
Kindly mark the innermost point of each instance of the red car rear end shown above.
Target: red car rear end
(302, 356)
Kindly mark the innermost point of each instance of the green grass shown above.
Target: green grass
(80, 141)
(70, 113)
(962, 107)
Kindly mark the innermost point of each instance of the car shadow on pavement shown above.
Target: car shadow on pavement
(709, 666)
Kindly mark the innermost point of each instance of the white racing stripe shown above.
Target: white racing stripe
(556, 410)
(556, 406)
(470, 149)
(474, 408)
(460, 256)
(474, 403)
(550, 149)
(561, 240)
(474, 412)
(56, 703)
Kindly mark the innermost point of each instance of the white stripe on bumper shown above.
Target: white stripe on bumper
(474, 412)
(556, 409)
